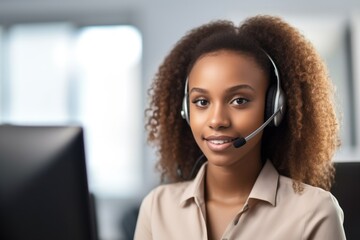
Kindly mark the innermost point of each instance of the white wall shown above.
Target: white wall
(163, 22)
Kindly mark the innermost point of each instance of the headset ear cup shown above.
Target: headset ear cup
(270, 104)
(185, 103)
(185, 110)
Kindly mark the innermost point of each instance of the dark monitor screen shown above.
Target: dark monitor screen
(346, 189)
(43, 184)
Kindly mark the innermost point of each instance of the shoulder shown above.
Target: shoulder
(316, 204)
(322, 204)
(159, 201)
(172, 189)
(313, 211)
(166, 193)
(315, 197)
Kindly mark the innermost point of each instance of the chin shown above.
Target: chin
(233, 157)
(222, 160)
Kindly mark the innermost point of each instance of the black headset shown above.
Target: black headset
(275, 100)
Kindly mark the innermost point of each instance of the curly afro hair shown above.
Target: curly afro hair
(302, 146)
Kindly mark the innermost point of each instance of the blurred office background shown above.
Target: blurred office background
(90, 63)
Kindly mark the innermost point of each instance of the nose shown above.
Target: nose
(219, 118)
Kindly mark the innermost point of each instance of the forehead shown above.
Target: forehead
(227, 68)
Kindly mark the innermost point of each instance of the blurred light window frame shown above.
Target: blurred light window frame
(63, 74)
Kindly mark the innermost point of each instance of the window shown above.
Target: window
(56, 74)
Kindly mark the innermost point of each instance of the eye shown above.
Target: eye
(240, 101)
(201, 102)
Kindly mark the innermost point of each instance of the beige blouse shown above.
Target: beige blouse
(273, 211)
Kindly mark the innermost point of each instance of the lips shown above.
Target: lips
(219, 143)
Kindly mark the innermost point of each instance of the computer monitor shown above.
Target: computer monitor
(43, 184)
(346, 189)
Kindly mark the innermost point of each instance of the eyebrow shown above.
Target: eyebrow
(229, 90)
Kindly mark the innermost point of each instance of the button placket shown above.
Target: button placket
(237, 217)
(235, 222)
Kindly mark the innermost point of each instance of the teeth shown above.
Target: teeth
(218, 142)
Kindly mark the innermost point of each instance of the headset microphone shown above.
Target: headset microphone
(239, 142)
(242, 141)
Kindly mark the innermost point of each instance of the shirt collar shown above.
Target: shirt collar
(195, 189)
(266, 184)
(265, 187)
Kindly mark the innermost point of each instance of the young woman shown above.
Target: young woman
(258, 118)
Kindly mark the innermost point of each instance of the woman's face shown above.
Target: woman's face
(227, 93)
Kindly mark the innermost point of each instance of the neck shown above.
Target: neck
(232, 183)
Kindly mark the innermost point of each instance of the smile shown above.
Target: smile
(219, 143)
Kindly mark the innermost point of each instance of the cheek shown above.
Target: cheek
(197, 122)
(198, 125)
(251, 119)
